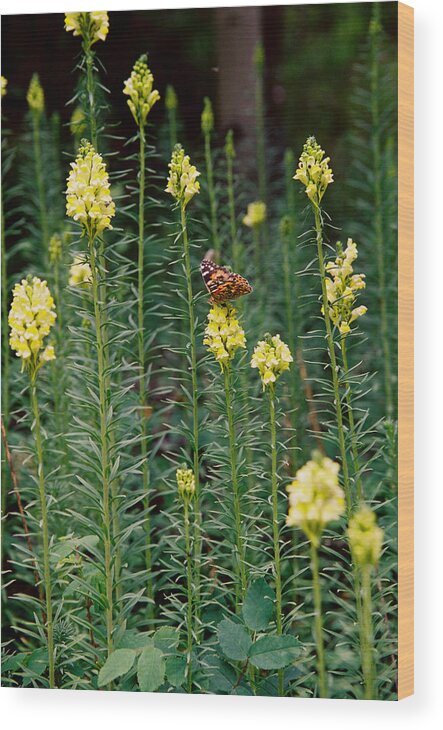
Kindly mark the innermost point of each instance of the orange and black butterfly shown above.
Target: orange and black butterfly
(222, 284)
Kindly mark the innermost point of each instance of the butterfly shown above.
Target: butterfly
(223, 284)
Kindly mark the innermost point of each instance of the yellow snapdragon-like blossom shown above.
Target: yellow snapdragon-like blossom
(272, 357)
(223, 333)
(185, 483)
(55, 248)
(138, 87)
(80, 274)
(30, 319)
(315, 497)
(342, 288)
(256, 214)
(88, 197)
(313, 171)
(92, 27)
(365, 537)
(3, 85)
(182, 180)
(35, 95)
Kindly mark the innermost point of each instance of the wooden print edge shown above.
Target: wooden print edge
(405, 350)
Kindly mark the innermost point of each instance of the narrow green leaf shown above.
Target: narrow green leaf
(150, 669)
(117, 663)
(258, 605)
(234, 640)
(274, 652)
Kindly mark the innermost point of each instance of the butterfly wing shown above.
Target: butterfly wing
(222, 284)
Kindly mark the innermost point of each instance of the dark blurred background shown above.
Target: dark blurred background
(310, 54)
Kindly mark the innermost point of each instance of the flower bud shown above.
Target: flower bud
(138, 87)
(185, 483)
(365, 537)
(207, 118)
(229, 145)
(3, 85)
(313, 171)
(171, 101)
(35, 96)
(182, 180)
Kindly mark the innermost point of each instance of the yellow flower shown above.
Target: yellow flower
(315, 497)
(182, 180)
(30, 319)
(35, 96)
(170, 98)
(80, 273)
(256, 214)
(341, 288)
(55, 248)
(365, 537)
(77, 125)
(272, 357)
(207, 118)
(88, 197)
(223, 333)
(138, 87)
(92, 27)
(185, 483)
(313, 171)
(3, 85)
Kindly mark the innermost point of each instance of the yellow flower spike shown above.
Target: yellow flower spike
(80, 274)
(31, 317)
(313, 171)
(171, 101)
(138, 87)
(182, 180)
(207, 117)
(88, 196)
(78, 123)
(365, 537)
(229, 145)
(55, 248)
(271, 357)
(256, 214)
(223, 334)
(92, 27)
(342, 286)
(185, 483)
(35, 96)
(3, 85)
(315, 497)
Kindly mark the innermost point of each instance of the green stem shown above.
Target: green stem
(172, 124)
(211, 193)
(40, 183)
(189, 587)
(141, 361)
(275, 526)
(90, 89)
(235, 243)
(195, 420)
(240, 567)
(378, 205)
(45, 531)
(367, 634)
(260, 126)
(104, 444)
(354, 445)
(318, 622)
(333, 360)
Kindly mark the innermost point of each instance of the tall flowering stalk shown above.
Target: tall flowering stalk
(235, 243)
(142, 97)
(183, 185)
(186, 490)
(342, 287)
(259, 61)
(223, 337)
(5, 349)
(91, 27)
(316, 498)
(207, 126)
(89, 202)
(171, 103)
(255, 219)
(36, 102)
(31, 317)
(272, 357)
(366, 539)
(315, 174)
